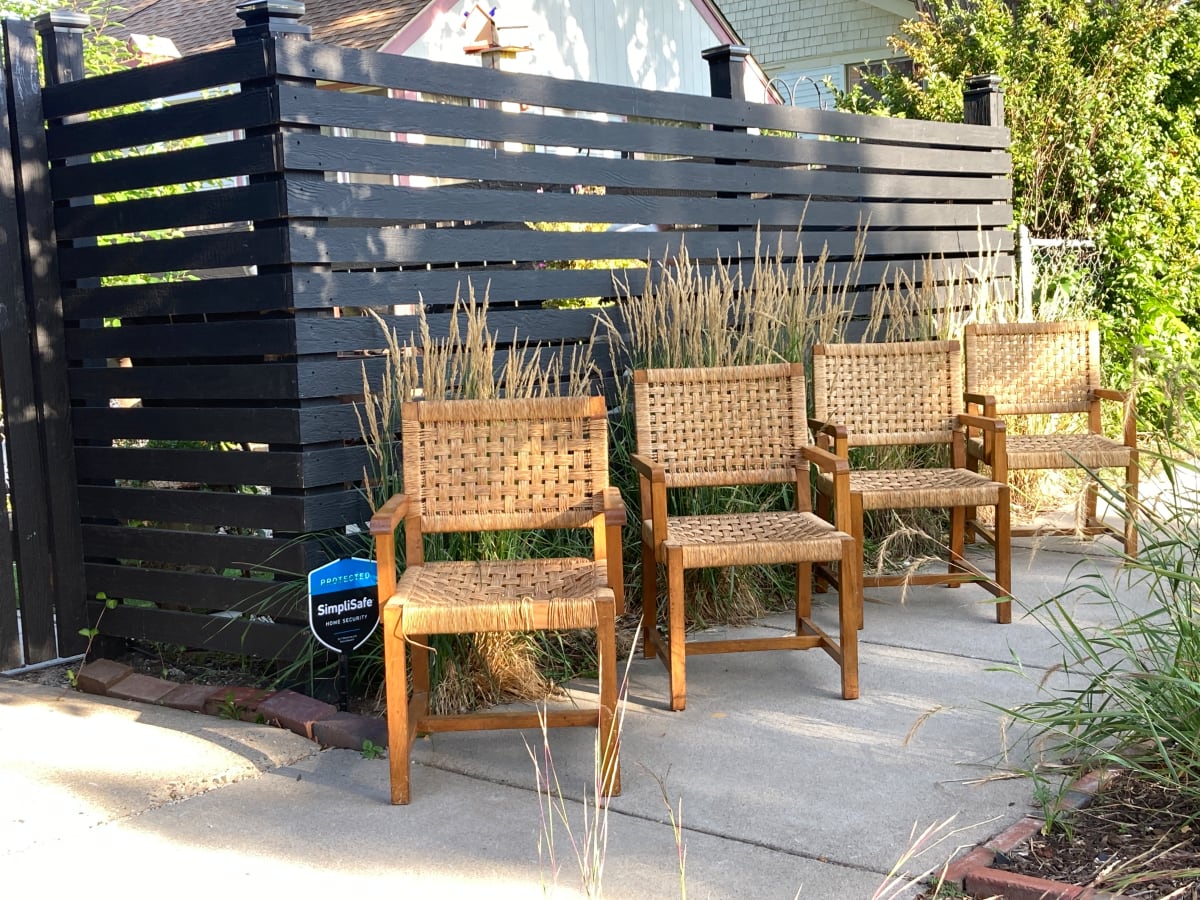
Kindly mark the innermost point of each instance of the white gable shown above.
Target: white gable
(654, 44)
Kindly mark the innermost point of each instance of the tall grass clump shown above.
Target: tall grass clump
(688, 314)
(1132, 688)
(471, 671)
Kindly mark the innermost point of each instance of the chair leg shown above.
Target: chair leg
(609, 784)
(649, 601)
(676, 629)
(958, 532)
(1090, 496)
(1131, 506)
(856, 522)
(396, 687)
(1004, 557)
(971, 512)
(849, 604)
(824, 509)
(804, 592)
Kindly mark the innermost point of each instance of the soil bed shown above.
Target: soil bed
(1135, 838)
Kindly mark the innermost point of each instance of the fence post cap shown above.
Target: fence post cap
(61, 18)
(733, 51)
(279, 17)
(983, 83)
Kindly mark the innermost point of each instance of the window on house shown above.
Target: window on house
(858, 74)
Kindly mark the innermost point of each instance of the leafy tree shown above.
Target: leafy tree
(1103, 100)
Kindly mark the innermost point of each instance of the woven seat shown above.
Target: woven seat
(905, 394)
(718, 427)
(498, 465)
(920, 488)
(1052, 368)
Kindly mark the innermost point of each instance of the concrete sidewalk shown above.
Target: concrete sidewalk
(781, 787)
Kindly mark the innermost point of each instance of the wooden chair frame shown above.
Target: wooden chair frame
(493, 465)
(1052, 367)
(908, 394)
(736, 426)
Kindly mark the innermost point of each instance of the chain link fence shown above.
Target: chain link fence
(1058, 277)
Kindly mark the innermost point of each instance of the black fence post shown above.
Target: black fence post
(268, 20)
(62, 33)
(983, 101)
(62, 44)
(726, 72)
(27, 542)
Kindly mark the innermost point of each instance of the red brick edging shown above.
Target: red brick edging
(313, 719)
(973, 872)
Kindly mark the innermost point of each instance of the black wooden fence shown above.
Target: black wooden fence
(217, 218)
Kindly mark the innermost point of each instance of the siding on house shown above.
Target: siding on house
(795, 42)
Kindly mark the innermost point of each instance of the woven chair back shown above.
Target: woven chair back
(889, 394)
(1033, 367)
(722, 425)
(491, 465)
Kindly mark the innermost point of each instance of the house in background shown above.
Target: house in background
(654, 44)
(801, 43)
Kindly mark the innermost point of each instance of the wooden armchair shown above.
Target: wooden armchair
(910, 394)
(495, 465)
(735, 426)
(1052, 367)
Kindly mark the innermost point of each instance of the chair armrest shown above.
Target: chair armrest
(652, 486)
(825, 460)
(1129, 427)
(614, 507)
(994, 453)
(389, 516)
(830, 431)
(983, 423)
(647, 468)
(985, 402)
(383, 527)
(838, 468)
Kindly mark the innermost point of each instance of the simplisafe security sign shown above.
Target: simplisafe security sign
(343, 608)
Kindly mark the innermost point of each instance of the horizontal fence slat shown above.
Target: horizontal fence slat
(505, 283)
(248, 381)
(314, 152)
(215, 162)
(266, 246)
(191, 74)
(278, 469)
(194, 208)
(362, 203)
(196, 590)
(266, 381)
(241, 637)
(363, 112)
(194, 547)
(257, 293)
(309, 425)
(352, 246)
(310, 60)
(255, 338)
(214, 116)
(347, 333)
(163, 506)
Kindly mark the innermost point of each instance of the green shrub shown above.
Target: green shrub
(1132, 692)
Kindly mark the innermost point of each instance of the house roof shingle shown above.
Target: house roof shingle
(199, 25)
